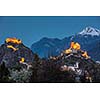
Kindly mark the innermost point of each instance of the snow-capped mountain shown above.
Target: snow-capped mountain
(90, 31)
(88, 39)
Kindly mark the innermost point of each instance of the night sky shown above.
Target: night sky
(32, 29)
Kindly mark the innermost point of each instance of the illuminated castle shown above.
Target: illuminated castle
(76, 46)
(13, 40)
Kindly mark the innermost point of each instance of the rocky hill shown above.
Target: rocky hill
(73, 67)
(11, 52)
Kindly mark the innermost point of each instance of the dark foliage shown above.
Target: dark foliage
(48, 70)
(4, 73)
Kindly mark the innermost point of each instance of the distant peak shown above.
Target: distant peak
(47, 38)
(90, 31)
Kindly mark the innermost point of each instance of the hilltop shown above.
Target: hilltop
(13, 50)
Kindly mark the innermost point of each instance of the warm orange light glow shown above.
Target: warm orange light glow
(76, 46)
(22, 60)
(85, 55)
(72, 44)
(13, 40)
(10, 46)
(68, 51)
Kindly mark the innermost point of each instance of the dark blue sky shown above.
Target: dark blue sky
(31, 29)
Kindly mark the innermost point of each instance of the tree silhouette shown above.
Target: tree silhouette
(36, 65)
(4, 73)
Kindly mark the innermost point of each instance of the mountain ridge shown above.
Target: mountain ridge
(86, 42)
